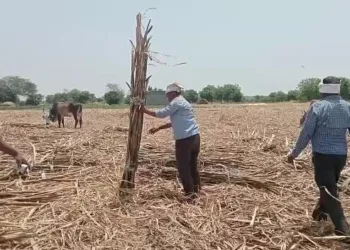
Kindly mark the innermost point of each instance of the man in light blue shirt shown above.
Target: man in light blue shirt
(186, 136)
(326, 125)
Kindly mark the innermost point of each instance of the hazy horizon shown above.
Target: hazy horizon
(259, 45)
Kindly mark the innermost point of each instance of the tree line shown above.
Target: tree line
(23, 91)
(306, 90)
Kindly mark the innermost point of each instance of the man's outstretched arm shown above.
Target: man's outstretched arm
(305, 134)
(7, 149)
(165, 126)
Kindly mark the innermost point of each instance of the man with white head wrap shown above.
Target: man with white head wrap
(186, 135)
(326, 125)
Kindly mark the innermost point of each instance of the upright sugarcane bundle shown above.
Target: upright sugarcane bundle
(138, 87)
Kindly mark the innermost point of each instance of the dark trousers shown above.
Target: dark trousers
(327, 173)
(186, 152)
(327, 170)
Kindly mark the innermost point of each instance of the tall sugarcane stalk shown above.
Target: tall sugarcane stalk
(138, 87)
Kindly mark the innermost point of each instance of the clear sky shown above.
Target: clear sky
(259, 44)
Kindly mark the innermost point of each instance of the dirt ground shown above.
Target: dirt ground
(252, 199)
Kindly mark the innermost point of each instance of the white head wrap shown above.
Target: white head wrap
(330, 88)
(174, 87)
(330, 85)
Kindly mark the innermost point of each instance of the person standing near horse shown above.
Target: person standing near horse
(186, 135)
(326, 125)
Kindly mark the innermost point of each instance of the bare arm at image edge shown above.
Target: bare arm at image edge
(7, 149)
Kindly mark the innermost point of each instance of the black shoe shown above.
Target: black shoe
(319, 214)
(191, 197)
(197, 189)
(343, 229)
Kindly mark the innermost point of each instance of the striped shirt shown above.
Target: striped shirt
(326, 124)
(182, 118)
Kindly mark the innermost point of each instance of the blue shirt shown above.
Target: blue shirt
(326, 124)
(182, 118)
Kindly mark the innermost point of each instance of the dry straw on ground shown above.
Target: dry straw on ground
(252, 199)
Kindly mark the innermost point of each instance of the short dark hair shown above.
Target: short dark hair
(331, 80)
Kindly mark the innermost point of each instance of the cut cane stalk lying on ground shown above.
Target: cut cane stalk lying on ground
(217, 178)
(138, 87)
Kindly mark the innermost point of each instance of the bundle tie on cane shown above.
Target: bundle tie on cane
(137, 101)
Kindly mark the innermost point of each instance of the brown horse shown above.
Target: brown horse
(59, 110)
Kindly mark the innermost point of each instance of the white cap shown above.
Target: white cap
(330, 85)
(330, 88)
(174, 87)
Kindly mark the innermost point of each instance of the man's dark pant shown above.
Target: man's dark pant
(327, 173)
(187, 151)
(327, 170)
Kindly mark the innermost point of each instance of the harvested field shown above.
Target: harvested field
(252, 199)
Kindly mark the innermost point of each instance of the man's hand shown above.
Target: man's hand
(153, 130)
(290, 158)
(21, 160)
(146, 111)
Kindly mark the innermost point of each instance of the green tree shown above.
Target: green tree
(309, 89)
(150, 88)
(127, 99)
(85, 97)
(292, 95)
(272, 97)
(61, 97)
(219, 94)
(115, 94)
(259, 98)
(7, 94)
(191, 95)
(232, 93)
(34, 99)
(208, 93)
(73, 95)
(345, 88)
(114, 87)
(281, 96)
(20, 86)
(114, 97)
(49, 99)
(99, 99)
